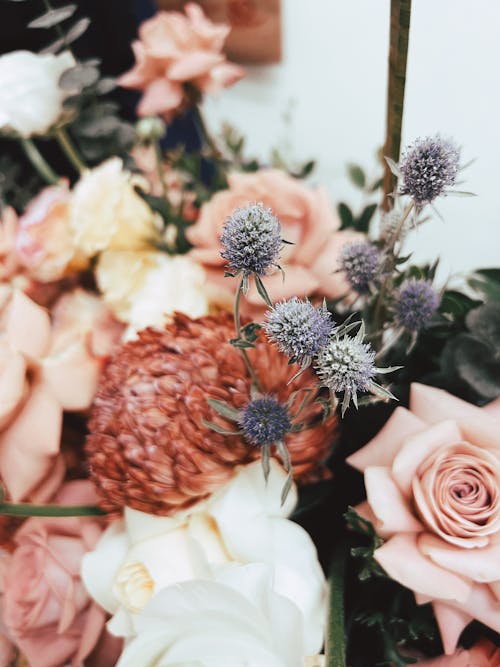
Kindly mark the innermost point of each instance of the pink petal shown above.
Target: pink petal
(224, 75)
(27, 326)
(388, 503)
(161, 96)
(418, 447)
(481, 430)
(94, 624)
(72, 376)
(434, 405)
(29, 444)
(12, 383)
(493, 409)
(382, 449)
(481, 565)
(495, 589)
(402, 560)
(194, 64)
(451, 624)
(482, 605)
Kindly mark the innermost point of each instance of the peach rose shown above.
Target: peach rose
(44, 240)
(308, 221)
(9, 260)
(176, 49)
(483, 654)
(46, 609)
(45, 367)
(432, 478)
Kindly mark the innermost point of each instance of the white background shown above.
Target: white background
(333, 77)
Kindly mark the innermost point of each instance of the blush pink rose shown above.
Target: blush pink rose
(483, 654)
(46, 609)
(432, 478)
(176, 49)
(308, 221)
(44, 241)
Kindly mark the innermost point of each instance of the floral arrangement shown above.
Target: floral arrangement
(238, 426)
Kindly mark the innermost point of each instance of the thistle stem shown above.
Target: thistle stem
(209, 140)
(335, 636)
(25, 510)
(399, 228)
(40, 164)
(237, 326)
(69, 150)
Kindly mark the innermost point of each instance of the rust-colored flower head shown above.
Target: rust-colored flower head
(149, 446)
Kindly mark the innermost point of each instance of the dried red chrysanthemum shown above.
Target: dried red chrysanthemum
(148, 447)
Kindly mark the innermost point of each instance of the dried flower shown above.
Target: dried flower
(298, 328)
(252, 241)
(416, 304)
(150, 446)
(360, 262)
(428, 167)
(265, 421)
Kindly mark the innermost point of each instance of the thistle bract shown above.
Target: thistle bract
(346, 365)
(416, 304)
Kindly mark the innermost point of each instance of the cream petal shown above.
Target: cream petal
(142, 526)
(382, 449)
(481, 565)
(12, 384)
(434, 405)
(403, 562)
(451, 623)
(418, 447)
(388, 503)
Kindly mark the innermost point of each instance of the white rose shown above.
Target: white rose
(107, 213)
(234, 620)
(244, 523)
(30, 97)
(144, 288)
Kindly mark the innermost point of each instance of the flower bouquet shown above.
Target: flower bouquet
(238, 426)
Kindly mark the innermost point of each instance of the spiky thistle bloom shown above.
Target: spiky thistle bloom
(360, 263)
(150, 446)
(265, 421)
(298, 328)
(429, 166)
(417, 301)
(251, 238)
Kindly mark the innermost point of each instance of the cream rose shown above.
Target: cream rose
(432, 478)
(244, 523)
(145, 288)
(30, 97)
(107, 213)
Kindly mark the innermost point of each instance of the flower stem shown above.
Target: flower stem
(209, 140)
(40, 164)
(25, 509)
(335, 636)
(69, 150)
(160, 168)
(237, 326)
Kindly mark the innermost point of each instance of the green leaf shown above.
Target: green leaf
(224, 410)
(346, 215)
(241, 344)
(261, 289)
(219, 429)
(251, 331)
(362, 224)
(306, 169)
(357, 175)
(456, 304)
(487, 282)
(53, 17)
(79, 77)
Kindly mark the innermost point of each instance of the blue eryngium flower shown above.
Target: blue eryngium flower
(299, 329)
(416, 303)
(428, 167)
(251, 238)
(360, 263)
(265, 421)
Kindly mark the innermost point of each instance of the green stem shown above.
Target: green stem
(160, 168)
(209, 140)
(237, 326)
(39, 162)
(25, 509)
(70, 150)
(335, 636)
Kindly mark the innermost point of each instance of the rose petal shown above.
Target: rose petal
(403, 562)
(481, 565)
(493, 409)
(434, 405)
(194, 64)
(160, 97)
(451, 623)
(482, 430)
(12, 384)
(382, 449)
(481, 605)
(27, 326)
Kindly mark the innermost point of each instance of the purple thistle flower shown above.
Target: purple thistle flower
(264, 421)
(252, 241)
(298, 328)
(361, 263)
(346, 364)
(416, 304)
(429, 167)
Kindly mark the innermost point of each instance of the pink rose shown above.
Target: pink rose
(45, 367)
(432, 478)
(176, 49)
(9, 261)
(44, 240)
(46, 609)
(483, 654)
(308, 221)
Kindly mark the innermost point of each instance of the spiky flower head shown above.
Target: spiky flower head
(361, 263)
(429, 166)
(417, 302)
(346, 364)
(265, 421)
(252, 240)
(298, 328)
